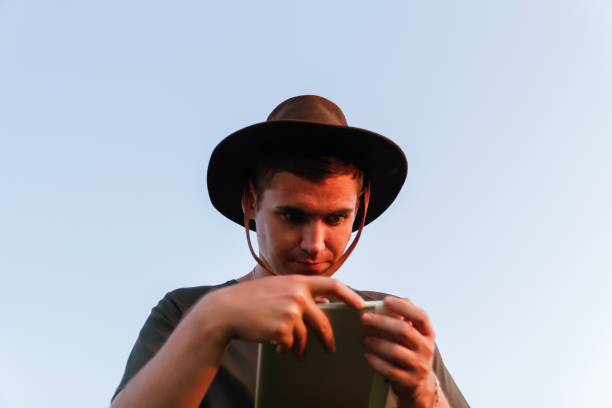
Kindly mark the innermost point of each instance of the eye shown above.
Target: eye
(335, 219)
(293, 218)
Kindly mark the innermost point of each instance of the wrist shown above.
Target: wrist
(430, 395)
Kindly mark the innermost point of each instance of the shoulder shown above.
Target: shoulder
(162, 321)
(177, 302)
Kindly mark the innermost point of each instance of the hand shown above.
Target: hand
(276, 309)
(402, 350)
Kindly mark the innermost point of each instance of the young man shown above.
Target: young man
(303, 180)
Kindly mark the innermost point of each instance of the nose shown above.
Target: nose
(313, 238)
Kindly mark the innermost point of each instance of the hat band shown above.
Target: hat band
(333, 268)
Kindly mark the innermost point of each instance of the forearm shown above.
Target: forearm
(181, 372)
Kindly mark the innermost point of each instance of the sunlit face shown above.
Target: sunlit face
(304, 226)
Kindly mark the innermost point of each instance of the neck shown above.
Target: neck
(257, 272)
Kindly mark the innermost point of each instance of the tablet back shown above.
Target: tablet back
(340, 379)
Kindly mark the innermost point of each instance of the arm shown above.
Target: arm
(271, 310)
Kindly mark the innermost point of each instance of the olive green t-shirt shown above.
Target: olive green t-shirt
(234, 384)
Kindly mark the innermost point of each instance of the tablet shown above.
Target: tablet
(323, 379)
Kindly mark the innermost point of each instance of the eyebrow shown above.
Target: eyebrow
(296, 210)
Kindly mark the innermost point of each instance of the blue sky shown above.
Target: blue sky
(109, 112)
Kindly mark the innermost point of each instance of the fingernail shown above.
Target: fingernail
(366, 317)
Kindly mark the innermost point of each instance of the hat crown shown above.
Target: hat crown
(309, 108)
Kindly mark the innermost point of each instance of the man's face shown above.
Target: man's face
(304, 226)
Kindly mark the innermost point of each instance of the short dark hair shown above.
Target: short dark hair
(312, 167)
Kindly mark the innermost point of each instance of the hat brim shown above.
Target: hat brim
(233, 160)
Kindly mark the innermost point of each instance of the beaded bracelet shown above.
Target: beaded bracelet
(437, 400)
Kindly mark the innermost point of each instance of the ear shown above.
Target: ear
(249, 201)
(358, 203)
(360, 192)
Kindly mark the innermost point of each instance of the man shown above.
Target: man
(303, 180)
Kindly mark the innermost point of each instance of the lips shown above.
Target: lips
(311, 268)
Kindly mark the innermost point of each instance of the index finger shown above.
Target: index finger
(321, 285)
(406, 308)
(318, 320)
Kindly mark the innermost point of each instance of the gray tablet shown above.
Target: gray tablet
(322, 379)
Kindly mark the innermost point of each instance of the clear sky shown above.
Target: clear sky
(109, 112)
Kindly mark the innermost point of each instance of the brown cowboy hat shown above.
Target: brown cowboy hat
(311, 124)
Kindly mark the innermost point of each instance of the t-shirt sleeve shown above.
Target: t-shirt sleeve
(157, 328)
(159, 325)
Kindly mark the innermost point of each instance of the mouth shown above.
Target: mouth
(312, 268)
